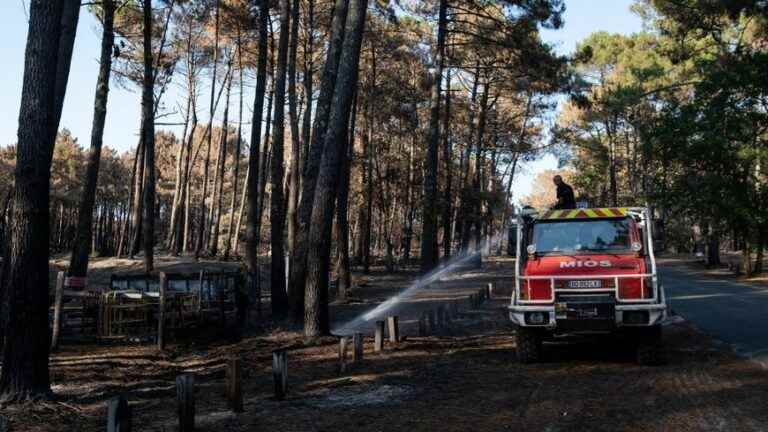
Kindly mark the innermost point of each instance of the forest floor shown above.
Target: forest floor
(465, 379)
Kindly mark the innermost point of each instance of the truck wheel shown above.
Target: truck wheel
(649, 347)
(528, 345)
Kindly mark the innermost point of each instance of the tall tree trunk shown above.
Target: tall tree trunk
(176, 232)
(254, 215)
(276, 212)
(309, 40)
(219, 181)
(312, 166)
(181, 240)
(410, 205)
(79, 263)
(148, 132)
(430, 255)
(244, 196)
(70, 16)
(238, 150)
(24, 275)
(316, 316)
(178, 186)
(201, 230)
(465, 205)
(368, 145)
(343, 269)
(138, 203)
(477, 184)
(125, 235)
(448, 167)
(293, 173)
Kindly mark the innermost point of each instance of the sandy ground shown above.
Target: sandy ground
(467, 379)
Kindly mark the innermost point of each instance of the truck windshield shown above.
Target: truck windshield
(573, 236)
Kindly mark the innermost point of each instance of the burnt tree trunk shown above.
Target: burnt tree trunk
(316, 317)
(254, 214)
(312, 166)
(238, 150)
(477, 185)
(293, 172)
(70, 16)
(448, 167)
(148, 132)
(430, 255)
(276, 209)
(343, 269)
(219, 180)
(24, 276)
(79, 263)
(207, 162)
(309, 43)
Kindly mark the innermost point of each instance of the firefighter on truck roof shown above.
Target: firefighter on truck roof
(565, 198)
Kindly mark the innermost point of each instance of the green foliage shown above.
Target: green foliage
(682, 110)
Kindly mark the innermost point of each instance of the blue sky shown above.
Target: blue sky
(582, 17)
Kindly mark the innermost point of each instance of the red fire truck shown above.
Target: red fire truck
(587, 271)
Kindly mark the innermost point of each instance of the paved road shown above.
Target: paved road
(732, 312)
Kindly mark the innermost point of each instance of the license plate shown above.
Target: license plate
(585, 284)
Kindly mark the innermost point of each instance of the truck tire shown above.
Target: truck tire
(649, 348)
(528, 345)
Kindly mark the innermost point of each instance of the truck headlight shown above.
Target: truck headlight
(536, 318)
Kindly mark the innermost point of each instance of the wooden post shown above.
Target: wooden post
(432, 321)
(118, 415)
(422, 325)
(440, 317)
(472, 301)
(234, 384)
(280, 372)
(185, 402)
(222, 290)
(161, 313)
(57, 310)
(200, 294)
(394, 330)
(358, 344)
(378, 338)
(489, 290)
(342, 354)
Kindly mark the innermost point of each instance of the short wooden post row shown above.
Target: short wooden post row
(119, 415)
(185, 402)
(161, 312)
(394, 330)
(358, 342)
(235, 384)
(280, 372)
(378, 338)
(57, 311)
